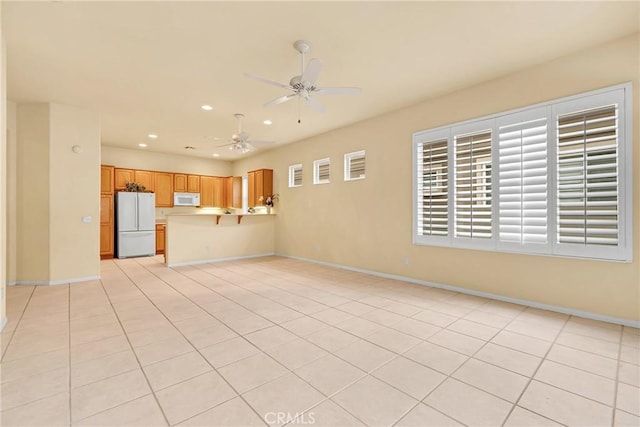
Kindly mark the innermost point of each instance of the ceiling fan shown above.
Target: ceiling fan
(240, 141)
(303, 86)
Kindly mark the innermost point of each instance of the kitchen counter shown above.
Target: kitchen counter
(193, 238)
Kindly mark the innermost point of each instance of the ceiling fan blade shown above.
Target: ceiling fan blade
(226, 145)
(313, 103)
(268, 81)
(337, 90)
(311, 72)
(280, 100)
(248, 147)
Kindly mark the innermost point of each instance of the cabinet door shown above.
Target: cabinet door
(106, 226)
(164, 189)
(218, 191)
(180, 183)
(251, 176)
(160, 238)
(259, 188)
(106, 179)
(206, 191)
(193, 183)
(144, 178)
(121, 177)
(228, 192)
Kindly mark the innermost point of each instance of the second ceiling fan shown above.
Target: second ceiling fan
(303, 86)
(240, 141)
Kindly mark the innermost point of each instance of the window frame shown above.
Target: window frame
(292, 173)
(347, 165)
(622, 94)
(316, 171)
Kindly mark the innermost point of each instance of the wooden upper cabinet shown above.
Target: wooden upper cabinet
(121, 177)
(144, 178)
(183, 183)
(164, 189)
(193, 183)
(180, 182)
(260, 184)
(106, 179)
(218, 192)
(207, 184)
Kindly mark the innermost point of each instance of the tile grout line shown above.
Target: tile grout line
(15, 330)
(194, 347)
(617, 381)
(137, 360)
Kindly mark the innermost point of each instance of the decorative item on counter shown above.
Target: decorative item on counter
(251, 210)
(227, 211)
(134, 187)
(269, 201)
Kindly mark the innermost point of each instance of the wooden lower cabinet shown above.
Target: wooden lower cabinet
(160, 238)
(106, 226)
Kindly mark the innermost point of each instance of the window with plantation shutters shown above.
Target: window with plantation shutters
(322, 171)
(587, 181)
(295, 175)
(354, 166)
(432, 181)
(472, 185)
(522, 180)
(552, 179)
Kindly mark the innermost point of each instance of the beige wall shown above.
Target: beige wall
(32, 190)
(3, 180)
(12, 207)
(367, 224)
(197, 238)
(74, 188)
(55, 188)
(149, 160)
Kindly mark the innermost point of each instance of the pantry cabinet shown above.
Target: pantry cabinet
(106, 179)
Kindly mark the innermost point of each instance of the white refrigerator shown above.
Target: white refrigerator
(135, 224)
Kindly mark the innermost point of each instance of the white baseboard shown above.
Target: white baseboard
(3, 323)
(207, 261)
(558, 309)
(53, 282)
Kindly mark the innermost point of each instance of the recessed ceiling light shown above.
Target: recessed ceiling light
(268, 122)
(207, 107)
(152, 136)
(142, 144)
(216, 155)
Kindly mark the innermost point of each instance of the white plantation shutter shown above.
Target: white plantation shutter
(472, 176)
(522, 179)
(587, 156)
(354, 166)
(322, 171)
(295, 175)
(433, 198)
(554, 179)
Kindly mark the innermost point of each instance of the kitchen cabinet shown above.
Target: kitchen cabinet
(121, 177)
(164, 189)
(106, 179)
(206, 191)
(144, 178)
(193, 183)
(260, 185)
(218, 192)
(106, 226)
(183, 183)
(180, 182)
(160, 238)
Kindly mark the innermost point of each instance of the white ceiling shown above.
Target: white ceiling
(147, 67)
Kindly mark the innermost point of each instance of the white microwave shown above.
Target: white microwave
(186, 199)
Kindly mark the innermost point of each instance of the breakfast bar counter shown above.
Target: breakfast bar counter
(206, 237)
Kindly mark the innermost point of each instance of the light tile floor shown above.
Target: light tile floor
(279, 341)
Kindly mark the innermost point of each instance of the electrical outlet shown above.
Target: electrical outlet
(405, 260)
